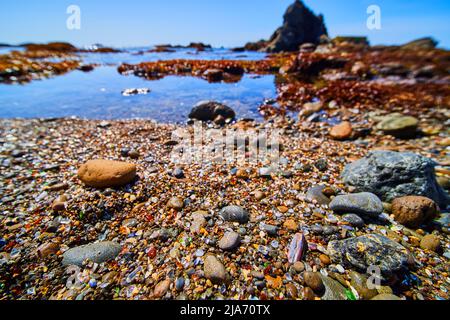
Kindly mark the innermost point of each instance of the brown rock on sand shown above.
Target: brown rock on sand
(106, 173)
(341, 131)
(412, 211)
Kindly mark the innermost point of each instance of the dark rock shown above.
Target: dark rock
(234, 214)
(365, 203)
(210, 110)
(270, 229)
(178, 173)
(354, 220)
(321, 165)
(370, 250)
(392, 175)
(300, 26)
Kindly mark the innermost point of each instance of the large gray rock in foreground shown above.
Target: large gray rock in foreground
(370, 250)
(300, 26)
(391, 175)
(97, 252)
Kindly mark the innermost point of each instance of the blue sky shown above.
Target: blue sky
(218, 22)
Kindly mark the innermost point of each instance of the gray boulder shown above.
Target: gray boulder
(392, 175)
(300, 26)
(370, 250)
(96, 252)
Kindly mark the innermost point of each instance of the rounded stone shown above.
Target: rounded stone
(96, 252)
(354, 220)
(314, 281)
(230, 241)
(364, 203)
(431, 242)
(341, 131)
(161, 288)
(176, 203)
(399, 126)
(413, 211)
(106, 173)
(234, 214)
(214, 270)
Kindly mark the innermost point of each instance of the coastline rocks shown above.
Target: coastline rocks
(229, 241)
(300, 26)
(413, 211)
(399, 126)
(365, 204)
(392, 175)
(214, 270)
(234, 214)
(369, 250)
(106, 173)
(426, 43)
(210, 110)
(96, 252)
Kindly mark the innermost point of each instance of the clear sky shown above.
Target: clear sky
(218, 22)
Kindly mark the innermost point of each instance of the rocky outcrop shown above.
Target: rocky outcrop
(300, 26)
(421, 44)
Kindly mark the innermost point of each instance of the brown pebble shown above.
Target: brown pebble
(341, 131)
(291, 291)
(161, 288)
(299, 266)
(325, 259)
(431, 242)
(412, 211)
(314, 281)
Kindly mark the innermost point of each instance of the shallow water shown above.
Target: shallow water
(97, 94)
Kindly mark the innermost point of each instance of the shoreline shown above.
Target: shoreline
(164, 243)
